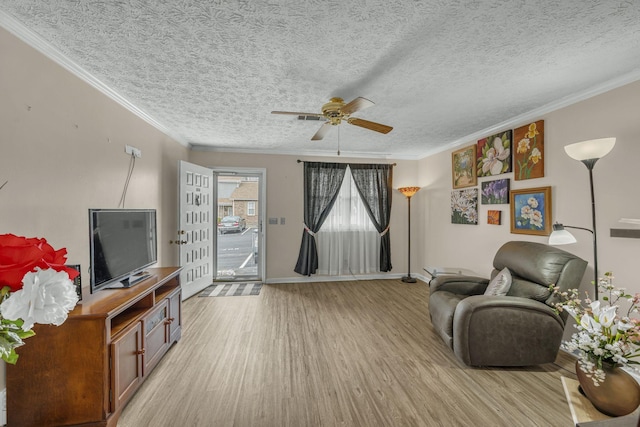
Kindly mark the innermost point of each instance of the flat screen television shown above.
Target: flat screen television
(123, 242)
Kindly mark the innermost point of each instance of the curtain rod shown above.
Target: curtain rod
(392, 164)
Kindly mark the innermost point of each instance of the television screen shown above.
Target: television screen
(122, 243)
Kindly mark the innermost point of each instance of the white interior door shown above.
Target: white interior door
(195, 236)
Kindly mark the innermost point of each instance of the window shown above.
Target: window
(251, 208)
(348, 242)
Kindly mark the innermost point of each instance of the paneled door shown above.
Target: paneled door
(195, 236)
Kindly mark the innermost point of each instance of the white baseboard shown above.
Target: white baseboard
(316, 278)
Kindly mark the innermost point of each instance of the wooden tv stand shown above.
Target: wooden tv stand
(84, 371)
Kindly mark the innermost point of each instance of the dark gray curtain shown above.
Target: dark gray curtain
(322, 182)
(373, 182)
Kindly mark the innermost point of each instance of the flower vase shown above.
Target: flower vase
(618, 394)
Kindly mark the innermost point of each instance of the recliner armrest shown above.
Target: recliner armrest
(459, 284)
(505, 331)
(487, 302)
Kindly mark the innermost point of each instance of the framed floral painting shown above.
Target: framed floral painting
(494, 154)
(528, 160)
(464, 206)
(495, 192)
(463, 167)
(531, 211)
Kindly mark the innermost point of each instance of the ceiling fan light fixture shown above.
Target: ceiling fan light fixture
(336, 111)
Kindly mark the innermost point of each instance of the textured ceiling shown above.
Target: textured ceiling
(441, 72)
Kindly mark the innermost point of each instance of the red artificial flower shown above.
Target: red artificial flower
(20, 255)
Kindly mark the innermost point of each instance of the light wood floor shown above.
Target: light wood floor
(358, 353)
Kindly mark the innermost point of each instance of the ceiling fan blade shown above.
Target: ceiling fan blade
(293, 113)
(370, 125)
(357, 104)
(322, 131)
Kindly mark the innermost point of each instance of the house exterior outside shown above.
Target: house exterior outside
(238, 195)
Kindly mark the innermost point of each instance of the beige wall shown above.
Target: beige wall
(284, 195)
(614, 113)
(62, 152)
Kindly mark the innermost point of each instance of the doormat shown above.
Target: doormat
(231, 290)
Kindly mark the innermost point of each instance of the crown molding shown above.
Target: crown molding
(540, 111)
(313, 153)
(42, 46)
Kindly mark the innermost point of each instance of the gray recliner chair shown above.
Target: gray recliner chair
(520, 328)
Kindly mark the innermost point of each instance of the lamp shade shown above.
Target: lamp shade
(592, 149)
(408, 191)
(561, 237)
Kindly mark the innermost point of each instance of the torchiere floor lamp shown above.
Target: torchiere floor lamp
(588, 152)
(409, 192)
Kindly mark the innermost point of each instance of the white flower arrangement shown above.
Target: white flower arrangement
(46, 297)
(35, 287)
(603, 335)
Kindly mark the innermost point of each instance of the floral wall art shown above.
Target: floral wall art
(464, 206)
(495, 192)
(463, 167)
(494, 217)
(494, 154)
(531, 211)
(528, 160)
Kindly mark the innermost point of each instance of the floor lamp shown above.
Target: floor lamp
(409, 192)
(588, 152)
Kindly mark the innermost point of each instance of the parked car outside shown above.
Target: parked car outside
(232, 223)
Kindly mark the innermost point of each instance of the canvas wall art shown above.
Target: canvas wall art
(531, 211)
(494, 217)
(463, 167)
(528, 160)
(464, 206)
(495, 192)
(494, 154)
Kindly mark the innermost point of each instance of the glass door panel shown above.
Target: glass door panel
(239, 216)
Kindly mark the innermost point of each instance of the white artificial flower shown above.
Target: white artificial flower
(603, 336)
(607, 315)
(46, 297)
(624, 326)
(595, 308)
(588, 323)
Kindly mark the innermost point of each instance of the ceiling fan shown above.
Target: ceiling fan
(335, 111)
